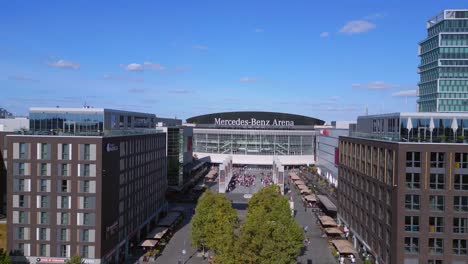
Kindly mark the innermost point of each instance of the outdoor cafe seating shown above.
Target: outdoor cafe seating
(344, 247)
(333, 232)
(327, 221)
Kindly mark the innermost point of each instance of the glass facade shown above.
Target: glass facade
(443, 85)
(254, 142)
(74, 123)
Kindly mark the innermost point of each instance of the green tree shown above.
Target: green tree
(213, 225)
(270, 234)
(75, 260)
(4, 257)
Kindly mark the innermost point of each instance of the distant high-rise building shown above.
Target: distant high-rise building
(443, 71)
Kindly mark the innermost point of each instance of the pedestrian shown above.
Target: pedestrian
(305, 228)
(353, 260)
(341, 260)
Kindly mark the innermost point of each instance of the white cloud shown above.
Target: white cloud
(63, 64)
(200, 47)
(374, 85)
(153, 66)
(407, 93)
(132, 67)
(258, 30)
(357, 26)
(137, 90)
(138, 67)
(324, 34)
(248, 79)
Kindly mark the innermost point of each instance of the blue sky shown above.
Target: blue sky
(326, 59)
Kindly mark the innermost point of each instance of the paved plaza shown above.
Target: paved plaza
(317, 252)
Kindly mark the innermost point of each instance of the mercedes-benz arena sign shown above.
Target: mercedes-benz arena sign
(255, 137)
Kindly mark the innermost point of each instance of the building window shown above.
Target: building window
(64, 169)
(412, 223)
(22, 217)
(85, 235)
(413, 180)
(86, 219)
(63, 251)
(42, 250)
(84, 251)
(64, 202)
(434, 261)
(411, 244)
(87, 203)
(63, 186)
(43, 169)
(412, 202)
(459, 247)
(86, 169)
(21, 201)
(21, 186)
(437, 181)
(20, 234)
(413, 159)
(65, 151)
(460, 182)
(460, 225)
(85, 186)
(437, 159)
(461, 160)
(42, 234)
(87, 152)
(21, 169)
(436, 203)
(460, 203)
(436, 246)
(64, 218)
(45, 151)
(23, 151)
(436, 224)
(44, 201)
(43, 185)
(63, 234)
(44, 218)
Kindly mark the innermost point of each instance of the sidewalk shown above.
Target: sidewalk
(318, 251)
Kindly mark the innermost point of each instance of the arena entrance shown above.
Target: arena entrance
(249, 179)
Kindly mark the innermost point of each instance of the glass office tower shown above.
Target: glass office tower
(443, 71)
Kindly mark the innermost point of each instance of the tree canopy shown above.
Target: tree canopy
(270, 234)
(213, 224)
(75, 260)
(4, 257)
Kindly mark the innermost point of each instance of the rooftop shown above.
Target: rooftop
(447, 14)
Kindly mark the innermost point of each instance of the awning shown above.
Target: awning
(327, 221)
(158, 233)
(333, 231)
(149, 243)
(170, 218)
(306, 190)
(211, 174)
(344, 247)
(299, 182)
(310, 198)
(294, 176)
(327, 203)
(301, 186)
(199, 187)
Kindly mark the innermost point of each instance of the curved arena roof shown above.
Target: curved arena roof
(254, 119)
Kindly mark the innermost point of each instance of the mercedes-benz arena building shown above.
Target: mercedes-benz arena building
(255, 138)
